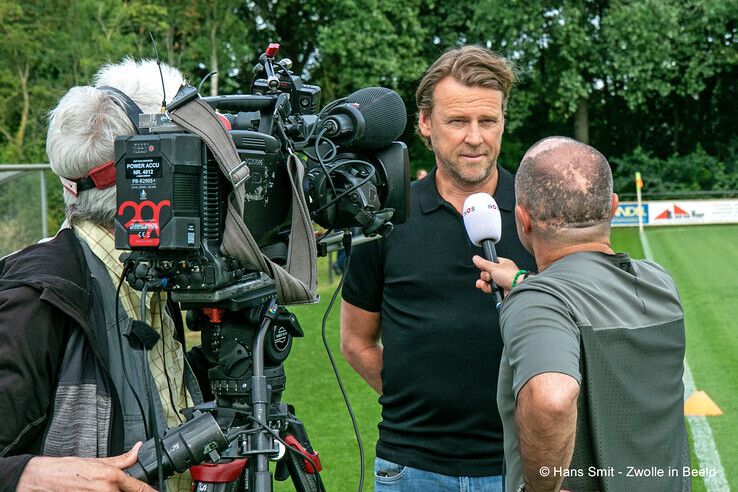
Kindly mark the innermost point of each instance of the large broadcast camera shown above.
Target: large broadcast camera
(356, 175)
(172, 199)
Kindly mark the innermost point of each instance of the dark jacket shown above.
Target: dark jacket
(45, 297)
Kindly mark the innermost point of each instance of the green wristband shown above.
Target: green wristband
(517, 276)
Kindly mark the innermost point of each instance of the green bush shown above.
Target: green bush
(697, 171)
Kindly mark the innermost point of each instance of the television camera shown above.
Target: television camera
(339, 167)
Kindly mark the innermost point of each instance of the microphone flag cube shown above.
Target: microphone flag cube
(482, 218)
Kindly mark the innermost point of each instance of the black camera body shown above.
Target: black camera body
(171, 194)
(307, 96)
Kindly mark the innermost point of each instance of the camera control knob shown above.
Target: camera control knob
(235, 360)
(182, 280)
(142, 270)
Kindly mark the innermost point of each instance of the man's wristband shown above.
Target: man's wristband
(518, 274)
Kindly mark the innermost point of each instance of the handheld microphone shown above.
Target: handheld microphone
(484, 227)
(371, 118)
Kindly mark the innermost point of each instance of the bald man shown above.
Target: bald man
(590, 386)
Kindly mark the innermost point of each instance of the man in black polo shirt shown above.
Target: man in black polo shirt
(439, 355)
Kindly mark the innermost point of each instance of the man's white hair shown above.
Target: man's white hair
(85, 123)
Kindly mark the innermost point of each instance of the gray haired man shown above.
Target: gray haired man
(70, 375)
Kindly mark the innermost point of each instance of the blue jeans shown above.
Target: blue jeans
(391, 477)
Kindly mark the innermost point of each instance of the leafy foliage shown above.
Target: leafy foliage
(697, 171)
(649, 83)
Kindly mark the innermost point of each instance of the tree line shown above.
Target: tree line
(651, 83)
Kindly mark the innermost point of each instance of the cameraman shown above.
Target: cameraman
(74, 383)
(590, 382)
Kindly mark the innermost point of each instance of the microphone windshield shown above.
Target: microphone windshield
(384, 116)
(482, 218)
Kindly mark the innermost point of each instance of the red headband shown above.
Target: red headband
(99, 177)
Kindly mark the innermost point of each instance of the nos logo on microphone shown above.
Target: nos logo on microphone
(471, 209)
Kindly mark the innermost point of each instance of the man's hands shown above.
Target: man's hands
(44, 473)
(502, 273)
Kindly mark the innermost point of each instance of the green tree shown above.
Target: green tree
(206, 36)
(23, 27)
(558, 49)
(369, 43)
(673, 57)
(696, 171)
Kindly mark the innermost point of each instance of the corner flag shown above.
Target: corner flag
(639, 181)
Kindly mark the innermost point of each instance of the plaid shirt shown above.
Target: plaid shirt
(166, 360)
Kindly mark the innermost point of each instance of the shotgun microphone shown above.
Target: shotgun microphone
(484, 227)
(370, 118)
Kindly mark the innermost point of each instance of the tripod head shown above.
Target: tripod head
(228, 338)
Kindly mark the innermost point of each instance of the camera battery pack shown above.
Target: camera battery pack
(159, 191)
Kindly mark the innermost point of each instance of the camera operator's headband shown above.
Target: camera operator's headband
(126, 104)
(103, 176)
(99, 177)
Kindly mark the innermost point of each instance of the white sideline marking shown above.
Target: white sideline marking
(704, 444)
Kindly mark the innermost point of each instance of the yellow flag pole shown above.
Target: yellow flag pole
(639, 185)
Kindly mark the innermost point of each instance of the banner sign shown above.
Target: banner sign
(627, 214)
(678, 212)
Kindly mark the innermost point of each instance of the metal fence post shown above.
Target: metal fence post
(44, 211)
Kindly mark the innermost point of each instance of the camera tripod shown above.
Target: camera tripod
(227, 443)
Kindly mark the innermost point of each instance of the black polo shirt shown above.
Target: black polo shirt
(441, 335)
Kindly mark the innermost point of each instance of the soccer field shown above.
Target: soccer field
(704, 263)
(702, 259)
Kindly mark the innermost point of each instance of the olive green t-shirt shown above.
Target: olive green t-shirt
(616, 326)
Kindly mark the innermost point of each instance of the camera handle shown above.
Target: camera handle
(260, 401)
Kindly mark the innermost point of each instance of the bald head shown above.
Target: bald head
(566, 187)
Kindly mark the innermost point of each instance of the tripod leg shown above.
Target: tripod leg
(222, 477)
(302, 480)
(305, 474)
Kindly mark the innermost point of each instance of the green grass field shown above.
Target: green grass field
(312, 388)
(704, 263)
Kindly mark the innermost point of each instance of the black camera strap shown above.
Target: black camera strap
(295, 283)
